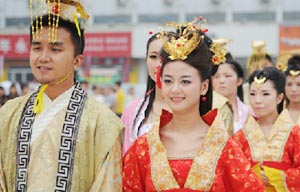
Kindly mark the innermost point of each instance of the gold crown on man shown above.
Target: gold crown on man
(71, 10)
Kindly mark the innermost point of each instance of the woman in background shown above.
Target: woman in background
(271, 141)
(258, 60)
(292, 88)
(139, 115)
(227, 79)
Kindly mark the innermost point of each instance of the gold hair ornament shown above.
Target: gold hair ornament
(260, 80)
(283, 57)
(219, 53)
(294, 73)
(258, 56)
(282, 67)
(219, 48)
(188, 40)
(258, 47)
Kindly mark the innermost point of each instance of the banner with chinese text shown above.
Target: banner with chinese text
(96, 44)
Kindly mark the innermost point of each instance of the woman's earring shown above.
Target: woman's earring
(203, 98)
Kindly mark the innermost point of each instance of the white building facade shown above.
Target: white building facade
(240, 21)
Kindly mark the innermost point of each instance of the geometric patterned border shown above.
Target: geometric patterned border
(23, 144)
(68, 139)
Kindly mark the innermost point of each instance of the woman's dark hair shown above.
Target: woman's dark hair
(294, 60)
(78, 41)
(277, 78)
(269, 58)
(292, 66)
(238, 70)
(200, 59)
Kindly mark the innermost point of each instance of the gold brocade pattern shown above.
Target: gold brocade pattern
(162, 175)
(207, 158)
(270, 149)
(256, 139)
(202, 172)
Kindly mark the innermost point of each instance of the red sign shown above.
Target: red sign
(96, 44)
(108, 44)
(289, 38)
(14, 46)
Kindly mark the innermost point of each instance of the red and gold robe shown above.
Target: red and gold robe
(278, 155)
(219, 166)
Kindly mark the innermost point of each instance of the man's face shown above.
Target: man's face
(52, 61)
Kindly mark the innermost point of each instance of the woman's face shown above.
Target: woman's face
(153, 58)
(292, 88)
(264, 99)
(226, 81)
(182, 86)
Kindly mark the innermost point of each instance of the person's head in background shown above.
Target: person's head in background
(153, 49)
(153, 61)
(118, 85)
(266, 92)
(292, 86)
(13, 92)
(24, 88)
(259, 58)
(227, 79)
(2, 93)
(131, 91)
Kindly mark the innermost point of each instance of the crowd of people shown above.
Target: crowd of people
(201, 125)
(109, 95)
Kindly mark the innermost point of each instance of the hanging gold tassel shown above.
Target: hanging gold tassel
(77, 24)
(38, 105)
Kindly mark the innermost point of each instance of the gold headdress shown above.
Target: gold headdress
(190, 35)
(219, 48)
(282, 60)
(71, 10)
(257, 59)
(260, 80)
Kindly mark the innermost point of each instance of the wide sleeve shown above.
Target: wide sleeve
(135, 163)
(279, 174)
(109, 174)
(9, 118)
(2, 183)
(238, 173)
(127, 118)
(293, 174)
